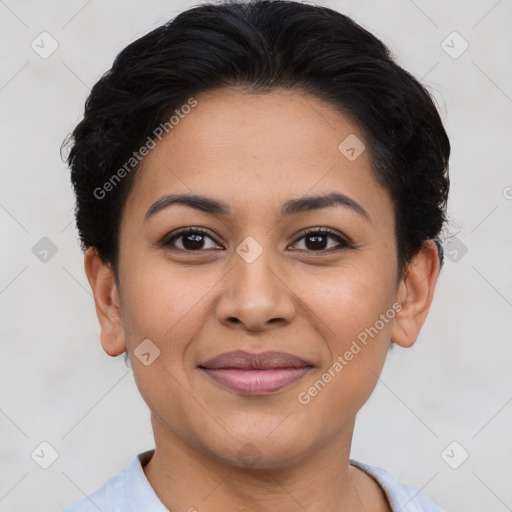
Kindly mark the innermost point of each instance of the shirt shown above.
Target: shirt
(130, 491)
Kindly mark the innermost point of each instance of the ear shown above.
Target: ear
(415, 293)
(107, 300)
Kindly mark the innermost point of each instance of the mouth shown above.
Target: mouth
(256, 374)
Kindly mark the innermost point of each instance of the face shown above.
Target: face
(263, 272)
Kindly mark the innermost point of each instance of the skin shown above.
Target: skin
(254, 152)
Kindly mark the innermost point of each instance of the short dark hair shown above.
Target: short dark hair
(260, 46)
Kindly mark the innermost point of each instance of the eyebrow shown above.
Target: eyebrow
(291, 207)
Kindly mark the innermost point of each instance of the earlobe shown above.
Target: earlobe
(415, 293)
(107, 301)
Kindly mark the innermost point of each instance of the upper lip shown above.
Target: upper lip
(243, 360)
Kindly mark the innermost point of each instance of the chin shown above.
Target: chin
(258, 450)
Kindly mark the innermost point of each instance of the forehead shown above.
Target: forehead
(259, 150)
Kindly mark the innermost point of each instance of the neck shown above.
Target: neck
(192, 479)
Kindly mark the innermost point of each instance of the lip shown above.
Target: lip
(242, 360)
(253, 374)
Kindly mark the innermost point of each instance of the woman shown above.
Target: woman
(260, 190)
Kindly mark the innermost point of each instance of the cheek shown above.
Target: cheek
(346, 301)
(161, 301)
(346, 306)
(166, 306)
(357, 342)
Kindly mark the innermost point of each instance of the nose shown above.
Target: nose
(256, 294)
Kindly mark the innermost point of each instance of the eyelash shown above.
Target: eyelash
(345, 244)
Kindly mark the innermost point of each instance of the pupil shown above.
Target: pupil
(314, 242)
(316, 238)
(194, 240)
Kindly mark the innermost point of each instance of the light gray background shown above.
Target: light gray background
(56, 383)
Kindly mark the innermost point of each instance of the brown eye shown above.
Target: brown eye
(193, 239)
(190, 239)
(318, 241)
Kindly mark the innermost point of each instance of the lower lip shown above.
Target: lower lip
(256, 382)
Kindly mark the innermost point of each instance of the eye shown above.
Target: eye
(192, 239)
(316, 240)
